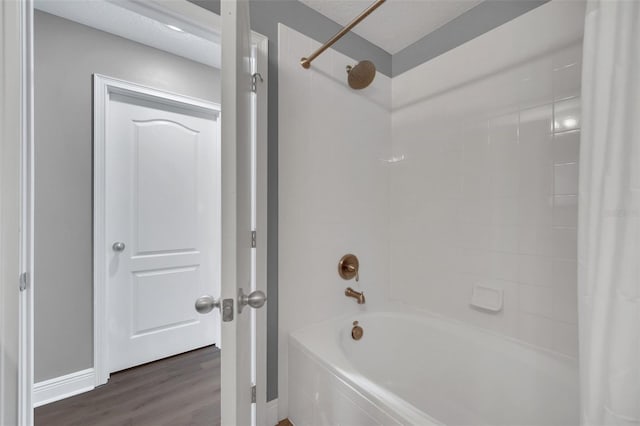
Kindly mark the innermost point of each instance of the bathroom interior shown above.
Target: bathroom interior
(455, 182)
(451, 207)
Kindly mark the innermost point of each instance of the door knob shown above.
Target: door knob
(118, 246)
(206, 303)
(255, 299)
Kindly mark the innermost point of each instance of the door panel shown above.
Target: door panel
(236, 205)
(166, 208)
(163, 195)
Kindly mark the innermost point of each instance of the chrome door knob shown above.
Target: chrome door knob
(118, 246)
(206, 303)
(255, 299)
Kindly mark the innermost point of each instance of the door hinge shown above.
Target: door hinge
(254, 81)
(253, 394)
(24, 281)
(254, 241)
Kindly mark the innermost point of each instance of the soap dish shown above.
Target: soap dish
(487, 297)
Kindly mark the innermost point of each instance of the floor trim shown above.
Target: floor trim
(63, 387)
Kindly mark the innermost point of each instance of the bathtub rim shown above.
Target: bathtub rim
(390, 404)
(385, 400)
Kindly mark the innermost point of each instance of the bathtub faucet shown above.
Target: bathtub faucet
(358, 295)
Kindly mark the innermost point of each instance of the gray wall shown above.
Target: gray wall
(66, 56)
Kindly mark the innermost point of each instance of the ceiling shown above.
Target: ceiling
(140, 22)
(397, 23)
(393, 26)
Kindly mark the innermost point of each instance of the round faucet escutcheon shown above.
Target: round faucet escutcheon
(356, 331)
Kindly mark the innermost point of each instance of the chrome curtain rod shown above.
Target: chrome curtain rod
(306, 62)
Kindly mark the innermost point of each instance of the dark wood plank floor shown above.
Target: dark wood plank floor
(178, 391)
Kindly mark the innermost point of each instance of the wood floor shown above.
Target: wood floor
(178, 391)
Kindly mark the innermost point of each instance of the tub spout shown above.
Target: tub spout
(358, 295)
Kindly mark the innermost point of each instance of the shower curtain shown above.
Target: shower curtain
(609, 215)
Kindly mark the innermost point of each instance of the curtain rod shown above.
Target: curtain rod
(306, 62)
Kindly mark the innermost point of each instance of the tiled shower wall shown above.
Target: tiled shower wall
(484, 191)
(333, 189)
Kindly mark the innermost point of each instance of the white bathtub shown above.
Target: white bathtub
(423, 370)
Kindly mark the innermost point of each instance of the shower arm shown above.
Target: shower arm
(306, 62)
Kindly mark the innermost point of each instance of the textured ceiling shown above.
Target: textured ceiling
(397, 23)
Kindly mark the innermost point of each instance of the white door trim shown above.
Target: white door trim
(16, 211)
(27, 184)
(103, 87)
(261, 44)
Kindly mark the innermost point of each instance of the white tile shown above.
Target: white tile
(474, 236)
(535, 270)
(565, 273)
(565, 243)
(504, 238)
(565, 179)
(536, 176)
(536, 300)
(567, 73)
(537, 80)
(536, 240)
(504, 266)
(566, 81)
(536, 330)
(476, 262)
(503, 130)
(566, 147)
(565, 339)
(567, 115)
(535, 128)
(565, 211)
(476, 210)
(505, 210)
(535, 209)
(565, 303)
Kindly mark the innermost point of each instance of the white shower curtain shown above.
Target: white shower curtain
(609, 215)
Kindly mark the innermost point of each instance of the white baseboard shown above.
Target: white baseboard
(272, 412)
(63, 387)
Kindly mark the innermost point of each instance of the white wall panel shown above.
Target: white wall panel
(487, 189)
(333, 189)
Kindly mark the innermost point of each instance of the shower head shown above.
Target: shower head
(361, 75)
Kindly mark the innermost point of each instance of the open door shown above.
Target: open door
(236, 298)
(236, 212)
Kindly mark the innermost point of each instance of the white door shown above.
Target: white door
(236, 210)
(162, 225)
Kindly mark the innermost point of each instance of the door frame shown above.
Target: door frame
(103, 87)
(20, 51)
(16, 212)
(261, 45)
